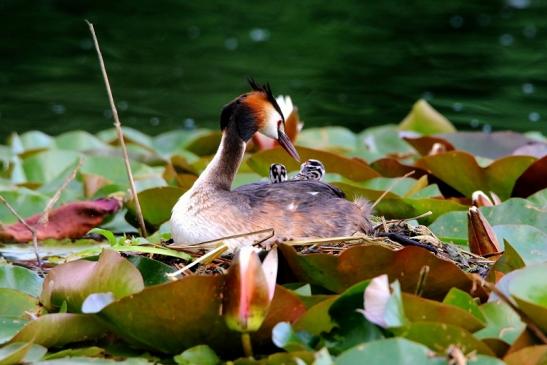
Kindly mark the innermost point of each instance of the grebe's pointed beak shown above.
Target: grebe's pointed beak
(286, 143)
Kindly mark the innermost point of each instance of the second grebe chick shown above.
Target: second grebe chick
(278, 173)
(311, 170)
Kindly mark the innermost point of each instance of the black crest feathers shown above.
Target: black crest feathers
(266, 89)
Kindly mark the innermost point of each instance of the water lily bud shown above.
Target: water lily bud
(482, 240)
(437, 149)
(480, 199)
(249, 290)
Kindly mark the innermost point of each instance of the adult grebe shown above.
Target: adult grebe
(294, 209)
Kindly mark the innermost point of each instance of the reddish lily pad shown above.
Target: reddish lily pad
(533, 355)
(424, 144)
(72, 220)
(354, 169)
(532, 180)
(461, 171)
(74, 281)
(175, 316)
(336, 273)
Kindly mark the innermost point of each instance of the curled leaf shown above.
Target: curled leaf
(482, 239)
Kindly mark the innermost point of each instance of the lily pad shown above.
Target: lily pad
(328, 138)
(439, 336)
(383, 140)
(532, 180)
(529, 290)
(58, 329)
(26, 202)
(45, 166)
(533, 355)
(156, 204)
(353, 169)
(423, 118)
(74, 281)
(20, 278)
(148, 318)
(501, 323)
(79, 141)
(357, 263)
(396, 351)
(463, 300)
(461, 171)
(14, 303)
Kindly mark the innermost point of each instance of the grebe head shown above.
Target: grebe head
(257, 111)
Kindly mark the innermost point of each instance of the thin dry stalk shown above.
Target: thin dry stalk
(322, 241)
(219, 250)
(27, 226)
(395, 183)
(207, 244)
(119, 132)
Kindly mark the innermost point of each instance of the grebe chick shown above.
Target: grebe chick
(278, 173)
(210, 209)
(311, 170)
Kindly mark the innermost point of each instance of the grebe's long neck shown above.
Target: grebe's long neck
(222, 169)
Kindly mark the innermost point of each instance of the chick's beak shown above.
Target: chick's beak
(286, 143)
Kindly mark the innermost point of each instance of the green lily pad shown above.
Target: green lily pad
(25, 202)
(327, 138)
(92, 351)
(156, 204)
(395, 351)
(353, 169)
(463, 300)
(79, 141)
(509, 261)
(461, 171)
(317, 319)
(512, 211)
(131, 136)
(529, 242)
(45, 166)
(20, 278)
(113, 169)
(198, 355)
(14, 303)
(203, 142)
(501, 323)
(74, 281)
(382, 140)
(529, 290)
(439, 336)
(9, 327)
(33, 140)
(423, 118)
(14, 353)
(357, 263)
(57, 329)
(153, 272)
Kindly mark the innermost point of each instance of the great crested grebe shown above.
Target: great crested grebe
(294, 209)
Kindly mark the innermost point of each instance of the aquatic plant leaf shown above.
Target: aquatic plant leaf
(501, 323)
(530, 292)
(9, 327)
(357, 263)
(328, 138)
(533, 355)
(481, 240)
(198, 355)
(31, 140)
(395, 207)
(424, 119)
(113, 169)
(354, 169)
(509, 261)
(131, 136)
(463, 300)
(285, 337)
(317, 319)
(399, 351)
(533, 179)
(74, 281)
(79, 141)
(499, 177)
(491, 145)
(72, 220)
(57, 329)
(14, 353)
(514, 211)
(20, 278)
(383, 140)
(203, 142)
(419, 309)
(45, 166)
(156, 204)
(174, 316)
(92, 351)
(530, 243)
(153, 272)
(15, 303)
(439, 336)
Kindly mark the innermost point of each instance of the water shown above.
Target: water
(173, 64)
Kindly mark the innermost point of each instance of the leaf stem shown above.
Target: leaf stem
(247, 345)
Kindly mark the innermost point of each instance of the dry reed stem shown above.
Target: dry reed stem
(395, 183)
(119, 132)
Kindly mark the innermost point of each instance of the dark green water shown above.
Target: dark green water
(175, 63)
